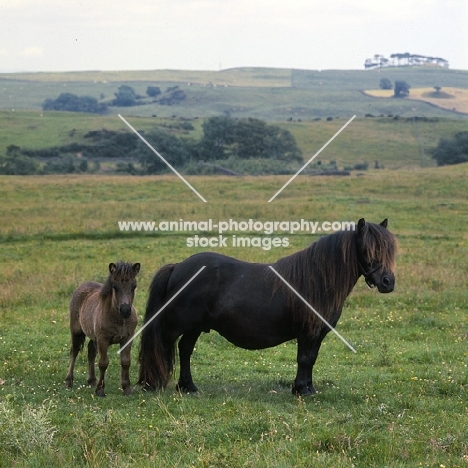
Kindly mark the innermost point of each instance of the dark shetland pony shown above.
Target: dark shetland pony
(251, 307)
(105, 314)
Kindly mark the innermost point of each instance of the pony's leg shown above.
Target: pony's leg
(186, 345)
(125, 367)
(307, 352)
(77, 341)
(103, 364)
(300, 386)
(315, 347)
(92, 351)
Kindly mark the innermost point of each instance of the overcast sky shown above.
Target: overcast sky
(66, 35)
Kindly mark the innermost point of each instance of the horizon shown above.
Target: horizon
(214, 35)
(6, 72)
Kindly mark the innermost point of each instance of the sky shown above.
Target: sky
(73, 35)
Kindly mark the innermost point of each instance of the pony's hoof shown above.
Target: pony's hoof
(92, 383)
(100, 392)
(187, 389)
(304, 391)
(127, 391)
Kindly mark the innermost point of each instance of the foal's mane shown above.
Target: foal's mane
(325, 272)
(123, 272)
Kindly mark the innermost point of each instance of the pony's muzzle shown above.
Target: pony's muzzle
(125, 310)
(386, 284)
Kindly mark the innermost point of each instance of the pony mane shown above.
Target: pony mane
(380, 244)
(325, 272)
(123, 272)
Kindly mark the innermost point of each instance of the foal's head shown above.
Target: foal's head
(376, 255)
(122, 283)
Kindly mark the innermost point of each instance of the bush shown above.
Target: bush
(63, 165)
(385, 83)
(16, 163)
(454, 151)
(125, 97)
(19, 165)
(253, 166)
(72, 103)
(361, 166)
(171, 148)
(153, 91)
(27, 432)
(246, 138)
(110, 144)
(401, 89)
(172, 96)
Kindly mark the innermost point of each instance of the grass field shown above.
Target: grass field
(391, 142)
(400, 401)
(455, 99)
(266, 93)
(312, 104)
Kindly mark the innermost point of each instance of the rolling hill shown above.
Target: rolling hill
(312, 105)
(269, 94)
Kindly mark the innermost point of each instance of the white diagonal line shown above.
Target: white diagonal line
(311, 159)
(161, 309)
(313, 310)
(157, 154)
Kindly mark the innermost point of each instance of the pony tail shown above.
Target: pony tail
(156, 360)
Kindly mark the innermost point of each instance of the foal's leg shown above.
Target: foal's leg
(92, 351)
(186, 345)
(77, 341)
(103, 364)
(125, 367)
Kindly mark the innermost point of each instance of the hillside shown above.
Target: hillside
(452, 99)
(392, 142)
(269, 94)
(312, 105)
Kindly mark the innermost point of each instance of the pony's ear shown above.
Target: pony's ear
(361, 225)
(112, 268)
(384, 223)
(136, 268)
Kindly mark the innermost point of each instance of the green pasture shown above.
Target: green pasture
(266, 93)
(401, 401)
(399, 143)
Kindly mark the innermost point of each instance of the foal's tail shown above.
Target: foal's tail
(156, 360)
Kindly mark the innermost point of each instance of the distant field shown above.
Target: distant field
(453, 99)
(399, 402)
(266, 93)
(384, 139)
(256, 77)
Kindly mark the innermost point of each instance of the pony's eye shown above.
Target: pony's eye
(134, 287)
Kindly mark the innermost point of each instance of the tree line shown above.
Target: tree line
(124, 97)
(236, 146)
(225, 140)
(404, 59)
